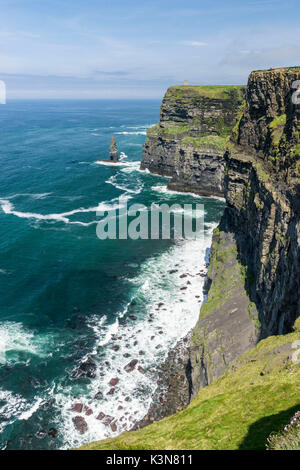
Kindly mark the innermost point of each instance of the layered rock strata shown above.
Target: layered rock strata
(188, 142)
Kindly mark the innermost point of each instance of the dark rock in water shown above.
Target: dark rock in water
(98, 395)
(111, 391)
(88, 411)
(141, 353)
(47, 404)
(53, 432)
(183, 275)
(77, 408)
(114, 381)
(80, 424)
(183, 288)
(100, 416)
(113, 151)
(120, 407)
(141, 370)
(113, 427)
(160, 304)
(126, 355)
(41, 434)
(86, 369)
(135, 343)
(131, 365)
(127, 399)
(107, 420)
(116, 348)
(172, 271)
(158, 346)
(132, 317)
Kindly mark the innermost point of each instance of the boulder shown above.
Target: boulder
(53, 432)
(86, 369)
(77, 408)
(132, 317)
(114, 381)
(107, 420)
(113, 426)
(131, 365)
(80, 424)
(88, 411)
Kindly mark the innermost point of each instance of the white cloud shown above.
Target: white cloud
(193, 43)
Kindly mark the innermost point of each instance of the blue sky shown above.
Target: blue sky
(136, 48)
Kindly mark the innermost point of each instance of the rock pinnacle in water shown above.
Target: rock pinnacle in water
(113, 151)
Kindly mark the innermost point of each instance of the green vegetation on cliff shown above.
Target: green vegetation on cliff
(213, 142)
(220, 92)
(258, 395)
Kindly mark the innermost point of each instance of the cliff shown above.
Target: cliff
(243, 380)
(262, 187)
(254, 288)
(188, 142)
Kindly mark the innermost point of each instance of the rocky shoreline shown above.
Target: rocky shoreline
(173, 391)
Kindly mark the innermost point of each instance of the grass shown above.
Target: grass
(225, 278)
(176, 130)
(170, 130)
(288, 438)
(214, 142)
(277, 128)
(285, 441)
(221, 92)
(235, 130)
(256, 397)
(279, 69)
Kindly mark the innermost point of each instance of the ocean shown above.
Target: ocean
(74, 309)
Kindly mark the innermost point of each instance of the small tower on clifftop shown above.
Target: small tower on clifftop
(185, 83)
(113, 151)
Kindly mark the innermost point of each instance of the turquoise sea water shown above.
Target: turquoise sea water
(72, 305)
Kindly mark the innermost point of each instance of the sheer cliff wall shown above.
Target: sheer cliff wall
(188, 143)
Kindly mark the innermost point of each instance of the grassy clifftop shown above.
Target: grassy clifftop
(220, 92)
(257, 396)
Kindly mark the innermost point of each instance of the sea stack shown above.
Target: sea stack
(113, 151)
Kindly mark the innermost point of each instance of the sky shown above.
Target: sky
(136, 49)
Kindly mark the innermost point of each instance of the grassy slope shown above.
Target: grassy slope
(240, 410)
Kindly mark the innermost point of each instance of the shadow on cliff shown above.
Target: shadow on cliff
(258, 433)
(245, 257)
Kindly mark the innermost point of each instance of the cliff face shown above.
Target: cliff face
(228, 324)
(262, 192)
(188, 143)
(262, 226)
